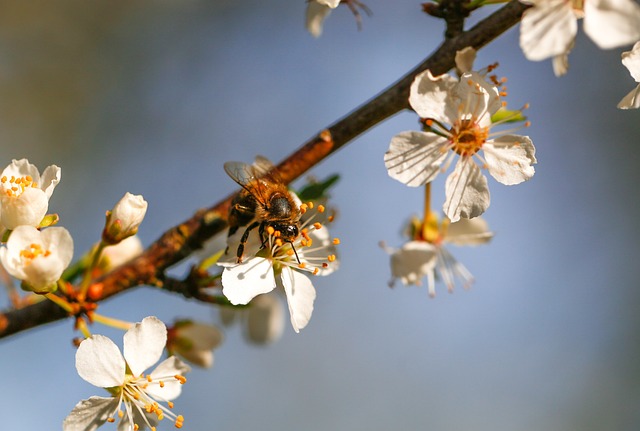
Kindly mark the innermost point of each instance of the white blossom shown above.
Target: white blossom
(125, 218)
(194, 342)
(99, 362)
(549, 27)
(262, 321)
(428, 257)
(457, 117)
(124, 251)
(36, 257)
(25, 193)
(631, 60)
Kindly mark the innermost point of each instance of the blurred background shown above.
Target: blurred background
(152, 97)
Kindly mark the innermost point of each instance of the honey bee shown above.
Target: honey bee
(264, 201)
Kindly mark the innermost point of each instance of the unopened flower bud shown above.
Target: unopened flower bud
(124, 219)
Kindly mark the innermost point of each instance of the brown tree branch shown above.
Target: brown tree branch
(182, 240)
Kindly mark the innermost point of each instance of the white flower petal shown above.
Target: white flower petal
(144, 343)
(429, 96)
(265, 319)
(27, 209)
(468, 232)
(90, 414)
(548, 29)
(631, 100)
(331, 3)
(612, 23)
(510, 159)
(631, 60)
(50, 179)
(414, 158)
(242, 282)
(300, 296)
(480, 98)
(467, 193)
(315, 16)
(413, 261)
(99, 362)
(464, 59)
(166, 371)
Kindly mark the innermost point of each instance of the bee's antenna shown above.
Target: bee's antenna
(294, 251)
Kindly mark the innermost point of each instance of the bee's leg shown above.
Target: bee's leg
(244, 239)
(262, 237)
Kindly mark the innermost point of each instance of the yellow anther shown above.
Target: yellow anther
(302, 265)
(270, 230)
(331, 258)
(111, 420)
(181, 379)
(149, 378)
(321, 208)
(148, 408)
(303, 208)
(161, 384)
(331, 217)
(304, 242)
(135, 427)
(310, 205)
(153, 428)
(317, 225)
(179, 421)
(277, 233)
(290, 252)
(170, 404)
(120, 414)
(278, 242)
(160, 416)
(3, 179)
(315, 271)
(336, 241)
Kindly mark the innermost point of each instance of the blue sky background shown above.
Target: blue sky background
(154, 97)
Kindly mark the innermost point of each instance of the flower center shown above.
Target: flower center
(14, 187)
(33, 251)
(467, 137)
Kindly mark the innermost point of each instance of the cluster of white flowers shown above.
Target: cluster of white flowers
(37, 254)
(272, 264)
(37, 257)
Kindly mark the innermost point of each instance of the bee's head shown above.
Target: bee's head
(288, 232)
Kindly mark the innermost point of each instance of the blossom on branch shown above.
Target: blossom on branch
(425, 254)
(99, 362)
(38, 258)
(194, 342)
(457, 118)
(280, 264)
(25, 193)
(549, 27)
(124, 219)
(262, 321)
(631, 60)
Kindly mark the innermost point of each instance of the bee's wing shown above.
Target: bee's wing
(241, 173)
(262, 165)
(255, 178)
